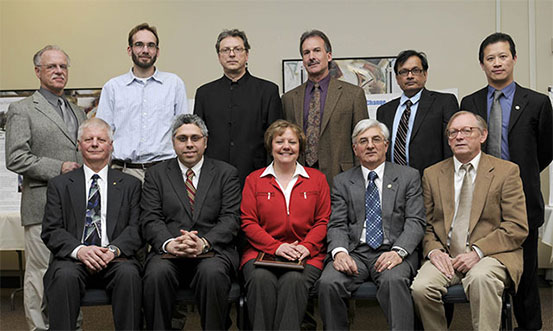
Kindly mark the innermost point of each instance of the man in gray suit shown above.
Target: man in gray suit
(190, 212)
(41, 143)
(368, 239)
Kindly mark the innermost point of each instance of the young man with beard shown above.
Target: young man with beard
(140, 106)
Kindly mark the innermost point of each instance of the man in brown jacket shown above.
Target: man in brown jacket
(476, 223)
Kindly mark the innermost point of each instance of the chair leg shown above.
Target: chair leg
(506, 312)
(449, 307)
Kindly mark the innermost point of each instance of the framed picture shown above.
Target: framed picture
(373, 74)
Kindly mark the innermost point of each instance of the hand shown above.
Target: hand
(289, 251)
(387, 260)
(68, 166)
(193, 243)
(95, 258)
(442, 261)
(464, 262)
(345, 263)
(303, 251)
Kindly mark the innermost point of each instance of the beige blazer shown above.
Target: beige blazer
(498, 224)
(345, 105)
(37, 144)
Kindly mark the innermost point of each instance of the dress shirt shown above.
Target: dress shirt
(299, 171)
(196, 169)
(506, 102)
(323, 84)
(141, 111)
(53, 100)
(397, 118)
(103, 186)
(237, 115)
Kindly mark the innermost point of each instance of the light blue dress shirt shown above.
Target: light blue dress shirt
(141, 111)
(400, 109)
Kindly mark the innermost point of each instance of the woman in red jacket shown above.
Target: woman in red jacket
(285, 210)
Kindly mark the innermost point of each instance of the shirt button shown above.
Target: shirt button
(232, 143)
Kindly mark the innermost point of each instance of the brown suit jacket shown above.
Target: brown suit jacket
(345, 105)
(498, 223)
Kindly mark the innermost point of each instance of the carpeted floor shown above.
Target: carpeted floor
(368, 315)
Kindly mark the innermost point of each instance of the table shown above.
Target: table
(12, 239)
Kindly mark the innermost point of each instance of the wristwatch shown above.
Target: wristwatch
(403, 254)
(205, 248)
(116, 252)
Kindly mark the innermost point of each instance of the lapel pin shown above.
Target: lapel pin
(517, 107)
(114, 183)
(389, 185)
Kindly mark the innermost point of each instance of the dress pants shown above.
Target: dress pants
(526, 303)
(66, 281)
(277, 298)
(483, 285)
(37, 256)
(393, 293)
(210, 279)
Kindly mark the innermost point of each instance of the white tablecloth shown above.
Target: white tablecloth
(11, 232)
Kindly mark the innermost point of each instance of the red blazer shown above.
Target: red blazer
(267, 225)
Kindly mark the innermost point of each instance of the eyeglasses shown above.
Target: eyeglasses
(194, 138)
(52, 66)
(141, 45)
(414, 71)
(376, 140)
(236, 50)
(465, 132)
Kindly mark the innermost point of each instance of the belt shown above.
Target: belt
(130, 165)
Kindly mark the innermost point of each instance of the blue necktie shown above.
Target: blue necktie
(93, 226)
(373, 214)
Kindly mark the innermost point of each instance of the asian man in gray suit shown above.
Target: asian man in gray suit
(376, 224)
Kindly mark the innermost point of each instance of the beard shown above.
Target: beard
(143, 65)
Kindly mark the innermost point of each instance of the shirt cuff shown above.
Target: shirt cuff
(165, 245)
(401, 249)
(338, 250)
(74, 252)
(478, 251)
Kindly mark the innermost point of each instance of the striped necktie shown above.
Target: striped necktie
(92, 233)
(190, 189)
(400, 147)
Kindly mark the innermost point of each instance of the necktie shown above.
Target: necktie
(373, 214)
(68, 118)
(495, 124)
(400, 154)
(460, 228)
(190, 189)
(313, 127)
(92, 233)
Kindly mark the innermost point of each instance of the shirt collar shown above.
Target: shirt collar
(131, 77)
(240, 81)
(414, 99)
(89, 172)
(379, 171)
(300, 171)
(323, 83)
(196, 168)
(49, 96)
(508, 91)
(475, 161)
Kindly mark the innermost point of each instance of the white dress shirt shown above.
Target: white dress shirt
(300, 171)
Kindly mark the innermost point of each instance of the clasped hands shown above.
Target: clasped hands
(447, 265)
(188, 244)
(293, 251)
(95, 258)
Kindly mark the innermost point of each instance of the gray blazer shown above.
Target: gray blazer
(37, 144)
(403, 216)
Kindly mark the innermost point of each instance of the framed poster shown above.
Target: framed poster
(373, 74)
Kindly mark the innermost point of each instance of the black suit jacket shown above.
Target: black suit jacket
(216, 216)
(64, 215)
(530, 141)
(428, 144)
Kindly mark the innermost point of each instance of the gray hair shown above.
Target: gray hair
(38, 55)
(182, 119)
(364, 125)
(97, 123)
(315, 33)
(480, 122)
(232, 33)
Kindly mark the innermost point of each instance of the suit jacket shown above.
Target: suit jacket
(216, 216)
(345, 105)
(37, 144)
(530, 141)
(428, 144)
(402, 205)
(65, 212)
(498, 223)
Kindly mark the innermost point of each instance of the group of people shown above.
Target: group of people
(306, 177)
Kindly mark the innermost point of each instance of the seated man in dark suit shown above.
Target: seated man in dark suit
(190, 207)
(91, 227)
(376, 224)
